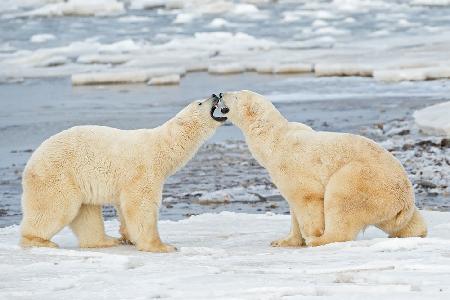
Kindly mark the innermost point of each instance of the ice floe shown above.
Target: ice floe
(147, 4)
(184, 18)
(42, 38)
(110, 77)
(230, 68)
(165, 80)
(219, 23)
(434, 120)
(343, 69)
(160, 76)
(227, 256)
(133, 19)
(405, 41)
(431, 2)
(103, 59)
(78, 8)
(413, 74)
(292, 68)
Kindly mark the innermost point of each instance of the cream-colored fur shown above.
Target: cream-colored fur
(335, 183)
(73, 173)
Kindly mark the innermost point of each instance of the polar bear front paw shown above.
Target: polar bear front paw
(314, 241)
(125, 241)
(106, 242)
(288, 242)
(157, 248)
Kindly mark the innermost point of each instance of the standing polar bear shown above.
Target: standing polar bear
(336, 184)
(73, 173)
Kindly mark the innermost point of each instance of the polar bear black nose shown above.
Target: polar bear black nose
(225, 110)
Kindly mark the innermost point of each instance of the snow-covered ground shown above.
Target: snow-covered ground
(227, 256)
(118, 39)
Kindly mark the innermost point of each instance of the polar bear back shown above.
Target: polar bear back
(99, 160)
(320, 154)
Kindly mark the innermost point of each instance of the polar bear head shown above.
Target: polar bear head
(207, 113)
(246, 106)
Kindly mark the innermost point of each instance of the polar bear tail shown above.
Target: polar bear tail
(414, 227)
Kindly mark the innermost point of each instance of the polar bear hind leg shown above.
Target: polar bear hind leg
(414, 226)
(46, 212)
(89, 228)
(348, 207)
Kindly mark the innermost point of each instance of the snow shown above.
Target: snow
(264, 68)
(319, 23)
(42, 38)
(161, 75)
(134, 19)
(407, 41)
(227, 256)
(165, 80)
(413, 74)
(103, 58)
(184, 18)
(401, 75)
(244, 9)
(330, 30)
(431, 2)
(435, 119)
(79, 8)
(219, 23)
(231, 68)
(110, 77)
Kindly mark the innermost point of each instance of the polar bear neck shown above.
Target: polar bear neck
(264, 128)
(180, 140)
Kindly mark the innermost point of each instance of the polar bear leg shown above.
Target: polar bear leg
(89, 228)
(294, 238)
(46, 212)
(414, 226)
(337, 229)
(310, 208)
(124, 236)
(140, 208)
(346, 212)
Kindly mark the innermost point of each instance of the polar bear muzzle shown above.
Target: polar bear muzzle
(219, 105)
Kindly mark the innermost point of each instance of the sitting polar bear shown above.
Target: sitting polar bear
(336, 184)
(73, 173)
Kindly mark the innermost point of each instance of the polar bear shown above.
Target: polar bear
(336, 184)
(73, 173)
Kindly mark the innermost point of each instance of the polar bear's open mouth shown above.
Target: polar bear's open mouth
(219, 109)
